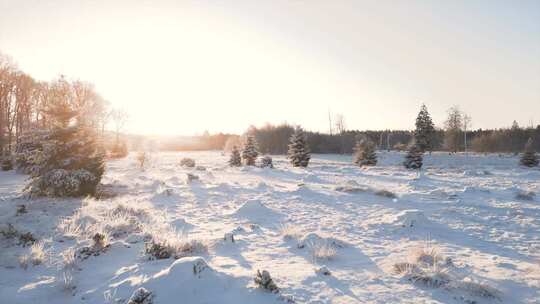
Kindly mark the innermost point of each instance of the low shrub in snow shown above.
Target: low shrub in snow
(266, 162)
(191, 177)
(290, 232)
(100, 244)
(228, 238)
(385, 193)
(174, 246)
(264, 281)
(37, 255)
(525, 195)
(429, 268)
(24, 238)
(322, 251)
(187, 162)
(141, 296)
(21, 209)
(323, 270)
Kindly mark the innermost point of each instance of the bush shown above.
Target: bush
(187, 162)
(141, 296)
(266, 162)
(264, 281)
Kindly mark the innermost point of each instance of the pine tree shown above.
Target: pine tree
(298, 153)
(249, 154)
(68, 161)
(529, 157)
(413, 159)
(425, 130)
(235, 160)
(364, 153)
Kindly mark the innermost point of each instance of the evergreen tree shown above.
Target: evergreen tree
(298, 153)
(364, 153)
(235, 160)
(68, 161)
(425, 130)
(249, 154)
(413, 159)
(529, 157)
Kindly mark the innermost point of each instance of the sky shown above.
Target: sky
(183, 67)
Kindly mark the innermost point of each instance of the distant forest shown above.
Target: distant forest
(273, 139)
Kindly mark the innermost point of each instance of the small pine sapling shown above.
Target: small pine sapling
(529, 157)
(364, 153)
(235, 160)
(250, 153)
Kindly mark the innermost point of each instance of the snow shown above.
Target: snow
(467, 206)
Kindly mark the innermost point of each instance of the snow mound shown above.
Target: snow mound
(313, 238)
(255, 210)
(408, 218)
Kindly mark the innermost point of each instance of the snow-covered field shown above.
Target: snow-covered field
(475, 211)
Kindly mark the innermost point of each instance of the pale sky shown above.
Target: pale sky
(182, 67)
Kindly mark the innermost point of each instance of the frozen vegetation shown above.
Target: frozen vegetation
(463, 229)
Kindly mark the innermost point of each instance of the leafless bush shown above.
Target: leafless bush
(187, 162)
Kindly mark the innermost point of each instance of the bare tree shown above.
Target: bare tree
(119, 118)
(340, 128)
(453, 125)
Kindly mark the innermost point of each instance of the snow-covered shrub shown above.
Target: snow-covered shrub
(428, 267)
(100, 244)
(364, 153)
(21, 209)
(235, 160)
(298, 152)
(187, 162)
(264, 281)
(37, 254)
(191, 177)
(250, 153)
(322, 251)
(167, 244)
(228, 237)
(266, 162)
(290, 232)
(385, 193)
(69, 162)
(141, 296)
(529, 157)
(323, 270)
(413, 159)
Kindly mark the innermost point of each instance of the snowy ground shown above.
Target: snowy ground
(463, 206)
